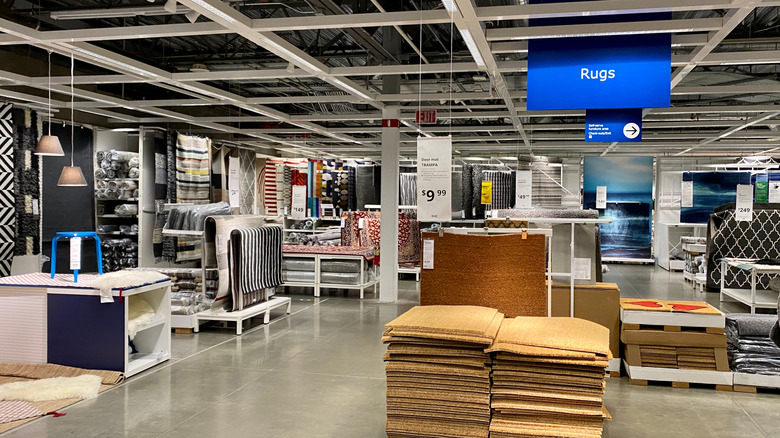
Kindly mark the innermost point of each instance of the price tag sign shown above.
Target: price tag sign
(298, 203)
(744, 203)
(601, 197)
(233, 182)
(487, 192)
(774, 191)
(687, 194)
(523, 189)
(75, 253)
(434, 178)
(427, 254)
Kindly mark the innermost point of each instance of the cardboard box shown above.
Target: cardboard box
(672, 339)
(599, 303)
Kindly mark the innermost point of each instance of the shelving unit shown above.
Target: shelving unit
(319, 225)
(362, 284)
(668, 236)
(753, 297)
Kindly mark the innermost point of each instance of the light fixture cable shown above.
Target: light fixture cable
(72, 93)
(49, 92)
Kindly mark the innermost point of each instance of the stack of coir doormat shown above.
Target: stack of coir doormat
(547, 375)
(438, 375)
(548, 378)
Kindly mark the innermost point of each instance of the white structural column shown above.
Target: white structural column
(388, 277)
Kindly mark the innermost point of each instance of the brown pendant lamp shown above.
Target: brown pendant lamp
(49, 145)
(71, 176)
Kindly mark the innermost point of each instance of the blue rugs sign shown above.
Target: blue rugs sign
(627, 71)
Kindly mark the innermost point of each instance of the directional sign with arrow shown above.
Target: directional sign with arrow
(613, 125)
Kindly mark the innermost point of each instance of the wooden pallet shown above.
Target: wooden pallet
(639, 382)
(674, 328)
(754, 389)
(183, 331)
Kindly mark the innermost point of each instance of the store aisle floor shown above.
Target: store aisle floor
(318, 373)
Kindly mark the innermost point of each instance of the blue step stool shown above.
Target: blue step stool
(70, 235)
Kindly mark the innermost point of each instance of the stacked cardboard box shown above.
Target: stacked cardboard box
(549, 378)
(438, 374)
(685, 338)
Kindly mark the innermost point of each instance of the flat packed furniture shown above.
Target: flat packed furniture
(756, 296)
(65, 323)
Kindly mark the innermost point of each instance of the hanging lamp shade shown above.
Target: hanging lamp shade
(49, 145)
(72, 176)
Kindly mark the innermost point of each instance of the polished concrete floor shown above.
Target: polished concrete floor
(318, 373)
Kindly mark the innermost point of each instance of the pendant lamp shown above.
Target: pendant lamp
(49, 145)
(71, 176)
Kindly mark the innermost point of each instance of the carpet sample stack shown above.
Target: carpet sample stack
(750, 349)
(438, 374)
(548, 378)
(119, 254)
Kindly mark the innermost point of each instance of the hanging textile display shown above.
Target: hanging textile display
(269, 187)
(26, 183)
(170, 144)
(160, 193)
(7, 201)
(246, 174)
(457, 194)
(367, 186)
(467, 200)
(255, 256)
(352, 188)
(710, 190)
(408, 189)
(193, 161)
(503, 188)
(629, 182)
(408, 238)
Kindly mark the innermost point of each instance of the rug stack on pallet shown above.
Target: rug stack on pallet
(549, 378)
(438, 375)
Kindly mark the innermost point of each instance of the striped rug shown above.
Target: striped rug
(255, 264)
(192, 169)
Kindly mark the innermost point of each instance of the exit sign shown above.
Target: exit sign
(425, 116)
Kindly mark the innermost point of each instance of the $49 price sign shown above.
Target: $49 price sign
(432, 194)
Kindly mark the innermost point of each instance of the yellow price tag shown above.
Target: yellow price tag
(487, 192)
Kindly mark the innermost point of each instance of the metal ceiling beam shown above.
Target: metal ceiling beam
(730, 21)
(588, 30)
(731, 131)
(465, 18)
(231, 19)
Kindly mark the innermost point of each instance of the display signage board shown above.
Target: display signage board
(425, 117)
(774, 191)
(75, 254)
(601, 197)
(298, 203)
(613, 125)
(687, 194)
(627, 71)
(744, 203)
(233, 182)
(523, 189)
(762, 192)
(487, 192)
(434, 178)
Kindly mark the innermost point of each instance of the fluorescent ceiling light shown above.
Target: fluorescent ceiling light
(148, 11)
(115, 63)
(469, 40)
(215, 11)
(449, 5)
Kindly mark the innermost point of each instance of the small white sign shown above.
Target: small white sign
(343, 220)
(601, 197)
(75, 253)
(361, 223)
(523, 189)
(434, 178)
(744, 203)
(298, 202)
(774, 191)
(581, 268)
(233, 182)
(427, 254)
(35, 209)
(687, 194)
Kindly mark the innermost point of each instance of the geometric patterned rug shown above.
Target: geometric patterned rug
(246, 175)
(7, 198)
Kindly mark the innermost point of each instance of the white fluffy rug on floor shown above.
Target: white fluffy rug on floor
(56, 388)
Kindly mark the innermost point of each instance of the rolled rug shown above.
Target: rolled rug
(100, 174)
(100, 156)
(112, 194)
(134, 162)
(129, 185)
(112, 185)
(102, 184)
(110, 173)
(134, 172)
(126, 210)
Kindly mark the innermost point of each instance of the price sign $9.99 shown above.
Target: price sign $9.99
(432, 194)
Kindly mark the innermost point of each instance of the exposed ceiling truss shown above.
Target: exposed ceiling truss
(305, 77)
